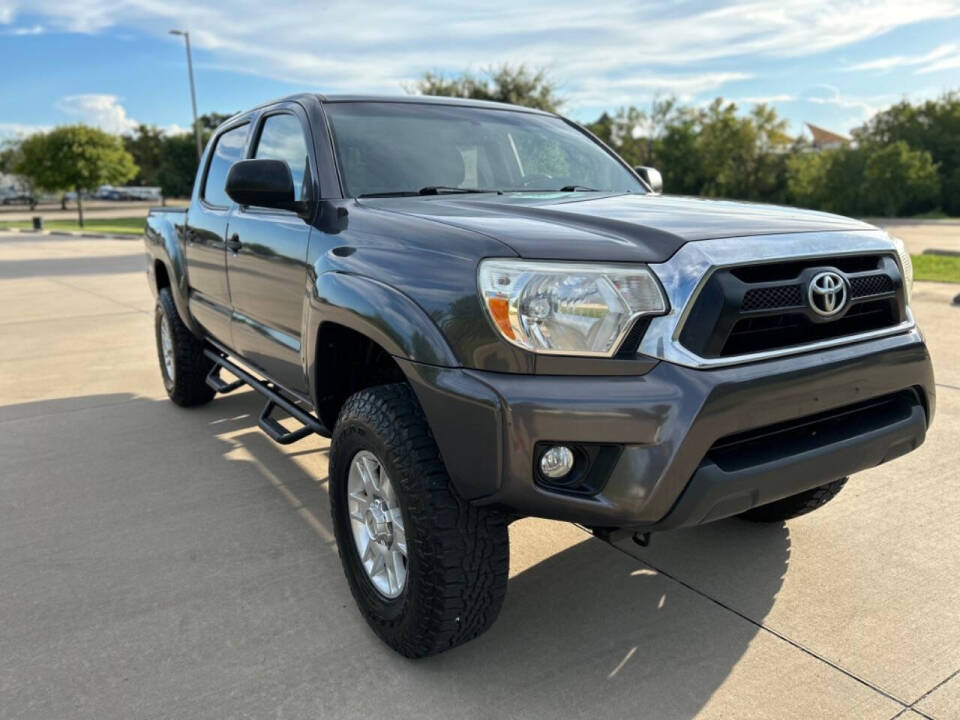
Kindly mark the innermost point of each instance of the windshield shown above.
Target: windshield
(395, 148)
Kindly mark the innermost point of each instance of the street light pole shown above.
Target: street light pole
(193, 92)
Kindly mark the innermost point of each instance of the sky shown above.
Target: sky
(112, 63)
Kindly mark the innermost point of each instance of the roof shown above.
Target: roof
(825, 137)
(410, 99)
(429, 100)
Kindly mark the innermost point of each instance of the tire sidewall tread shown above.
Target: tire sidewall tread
(457, 554)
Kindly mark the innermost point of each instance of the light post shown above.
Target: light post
(193, 92)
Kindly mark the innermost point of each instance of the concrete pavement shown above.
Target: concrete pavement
(158, 562)
(920, 235)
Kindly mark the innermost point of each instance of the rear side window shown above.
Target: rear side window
(228, 150)
(282, 139)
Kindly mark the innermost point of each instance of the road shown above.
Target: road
(166, 563)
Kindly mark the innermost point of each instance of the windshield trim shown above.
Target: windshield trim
(429, 100)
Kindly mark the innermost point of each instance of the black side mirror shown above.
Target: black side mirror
(263, 183)
(651, 176)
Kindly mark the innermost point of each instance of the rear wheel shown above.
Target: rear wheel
(183, 365)
(795, 505)
(427, 569)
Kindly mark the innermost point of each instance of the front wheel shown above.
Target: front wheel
(427, 569)
(795, 505)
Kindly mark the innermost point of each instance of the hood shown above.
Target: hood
(613, 228)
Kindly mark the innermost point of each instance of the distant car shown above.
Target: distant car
(19, 199)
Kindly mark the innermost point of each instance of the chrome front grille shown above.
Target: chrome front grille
(741, 300)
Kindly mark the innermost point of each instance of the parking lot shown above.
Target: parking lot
(158, 562)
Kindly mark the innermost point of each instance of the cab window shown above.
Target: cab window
(228, 150)
(282, 139)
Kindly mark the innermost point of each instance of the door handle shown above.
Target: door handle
(234, 244)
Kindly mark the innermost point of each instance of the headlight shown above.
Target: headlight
(906, 265)
(567, 308)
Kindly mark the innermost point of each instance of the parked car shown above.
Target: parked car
(18, 198)
(492, 316)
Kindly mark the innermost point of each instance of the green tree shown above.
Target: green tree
(178, 166)
(933, 126)
(75, 157)
(145, 146)
(624, 133)
(517, 85)
(898, 181)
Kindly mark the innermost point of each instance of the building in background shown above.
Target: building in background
(825, 139)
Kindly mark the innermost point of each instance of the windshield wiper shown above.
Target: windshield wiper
(394, 193)
(438, 189)
(429, 190)
(575, 188)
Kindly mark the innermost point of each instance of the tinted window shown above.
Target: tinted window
(404, 147)
(228, 150)
(282, 139)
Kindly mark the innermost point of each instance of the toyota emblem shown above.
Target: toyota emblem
(827, 293)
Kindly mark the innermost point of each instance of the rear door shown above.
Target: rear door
(267, 259)
(205, 235)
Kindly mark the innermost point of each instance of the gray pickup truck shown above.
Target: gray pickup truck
(492, 316)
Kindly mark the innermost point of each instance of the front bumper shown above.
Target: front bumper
(669, 421)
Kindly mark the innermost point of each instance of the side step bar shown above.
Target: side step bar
(269, 424)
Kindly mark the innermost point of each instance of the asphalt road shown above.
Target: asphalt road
(157, 562)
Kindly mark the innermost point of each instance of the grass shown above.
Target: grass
(121, 226)
(936, 268)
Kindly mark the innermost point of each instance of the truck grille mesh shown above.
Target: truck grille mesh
(758, 308)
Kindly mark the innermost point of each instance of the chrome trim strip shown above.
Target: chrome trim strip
(684, 275)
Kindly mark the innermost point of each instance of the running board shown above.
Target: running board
(269, 424)
(220, 385)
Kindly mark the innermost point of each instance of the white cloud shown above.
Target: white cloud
(102, 111)
(895, 61)
(31, 30)
(950, 63)
(769, 99)
(623, 47)
(174, 129)
(16, 130)
(864, 106)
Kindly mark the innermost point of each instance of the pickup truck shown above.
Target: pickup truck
(493, 316)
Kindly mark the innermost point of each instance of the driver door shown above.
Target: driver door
(267, 258)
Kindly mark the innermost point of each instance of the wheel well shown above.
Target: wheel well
(160, 271)
(348, 361)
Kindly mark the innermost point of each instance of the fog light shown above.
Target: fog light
(556, 462)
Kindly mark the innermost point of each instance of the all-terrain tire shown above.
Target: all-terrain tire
(186, 380)
(457, 554)
(795, 505)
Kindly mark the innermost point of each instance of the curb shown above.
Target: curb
(65, 233)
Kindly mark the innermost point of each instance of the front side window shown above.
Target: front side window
(282, 139)
(404, 148)
(228, 150)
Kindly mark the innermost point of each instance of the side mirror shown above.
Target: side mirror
(651, 176)
(263, 183)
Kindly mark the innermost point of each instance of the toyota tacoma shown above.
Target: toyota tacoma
(492, 316)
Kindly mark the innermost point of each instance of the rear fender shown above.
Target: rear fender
(162, 238)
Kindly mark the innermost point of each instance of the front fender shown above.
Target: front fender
(383, 314)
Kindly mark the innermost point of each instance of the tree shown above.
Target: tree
(508, 84)
(178, 167)
(145, 146)
(11, 151)
(933, 126)
(898, 181)
(75, 157)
